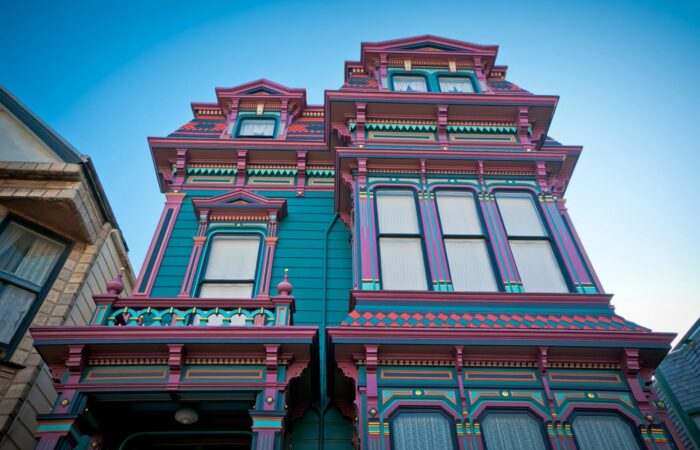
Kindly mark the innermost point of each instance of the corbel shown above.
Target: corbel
(371, 362)
(523, 123)
(180, 169)
(76, 357)
(231, 119)
(175, 363)
(383, 75)
(479, 71)
(423, 177)
(260, 109)
(362, 173)
(407, 64)
(360, 110)
(452, 65)
(301, 173)
(459, 368)
(442, 123)
(480, 174)
(631, 367)
(241, 163)
(541, 175)
(271, 362)
(282, 134)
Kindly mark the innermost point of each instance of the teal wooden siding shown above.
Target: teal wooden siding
(300, 248)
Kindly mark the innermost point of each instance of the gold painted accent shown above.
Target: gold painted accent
(64, 402)
(505, 393)
(260, 109)
(407, 65)
(452, 65)
(590, 395)
(418, 392)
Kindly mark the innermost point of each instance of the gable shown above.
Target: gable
(17, 143)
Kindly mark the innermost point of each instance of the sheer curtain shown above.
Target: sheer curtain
(603, 433)
(31, 257)
(456, 84)
(512, 432)
(231, 267)
(400, 243)
(519, 215)
(257, 127)
(458, 214)
(404, 83)
(422, 431)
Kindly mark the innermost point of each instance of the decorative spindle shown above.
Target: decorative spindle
(115, 286)
(284, 288)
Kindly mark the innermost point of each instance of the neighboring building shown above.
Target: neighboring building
(437, 294)
(678, 384)
(59, 245)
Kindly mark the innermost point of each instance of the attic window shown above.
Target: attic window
(456, 84)
(409, 83)
(256, 128)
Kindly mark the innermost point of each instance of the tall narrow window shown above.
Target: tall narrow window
(27, 260)
(422, 431)
(456, 84)
(530, 244)
(230, 267)
(256, 127)
(465, 242)
(603, 432)
(400, 242)
(512, 431)
(409, 83)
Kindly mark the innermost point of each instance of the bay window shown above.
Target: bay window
(230, 267)
(27, 263)
(530, 244)
(512, 431)
(400, 242)
(465, 242)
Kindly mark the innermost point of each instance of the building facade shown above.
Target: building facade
(59, 245)
(680, 391)
(393, 269)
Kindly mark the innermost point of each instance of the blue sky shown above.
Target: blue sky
(106, 77)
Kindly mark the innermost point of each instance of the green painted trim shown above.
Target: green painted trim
(273, 172)
(211, 171)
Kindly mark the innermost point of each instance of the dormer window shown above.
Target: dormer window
(456, 85)
(256, 128)
(409, 83)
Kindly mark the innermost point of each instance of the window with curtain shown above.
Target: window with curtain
(27, 260)
(456, 84)
(530, 244)
(512, 431)
(604, 432)
(465, 242)
(422, 431)
(231, 265)
(256, 127)
(409, 83)
(400, 241)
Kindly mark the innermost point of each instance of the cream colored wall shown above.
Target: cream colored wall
(17, 143)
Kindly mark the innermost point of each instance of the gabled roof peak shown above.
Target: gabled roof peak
(429, 43)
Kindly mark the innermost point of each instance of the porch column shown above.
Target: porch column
(267, 429)
(57, 431)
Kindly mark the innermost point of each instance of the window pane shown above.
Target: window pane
(396, 211)
(422, 431)
(519, 215)
(456, 84)
(539, 270)
(403, 266)
(226, 290)
(470, 266)
(458, 213)
(405, 83)
(603, 433)
(256, 127)
(28, 255)
(512, 432)
(232, 258)
(14, 304)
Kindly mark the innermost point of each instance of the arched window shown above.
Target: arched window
(400, 241)
(422, 430)
(465, 242)
(530, 243)
(513, 431)
(604, 432)
(230, 267)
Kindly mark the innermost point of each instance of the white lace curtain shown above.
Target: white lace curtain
(409, 84)
(257, 127)
(456, 84)
(31, 257)
(231, 258)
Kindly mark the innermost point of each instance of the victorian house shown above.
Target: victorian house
(393, 269)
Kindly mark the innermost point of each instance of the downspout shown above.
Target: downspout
(325, 403)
